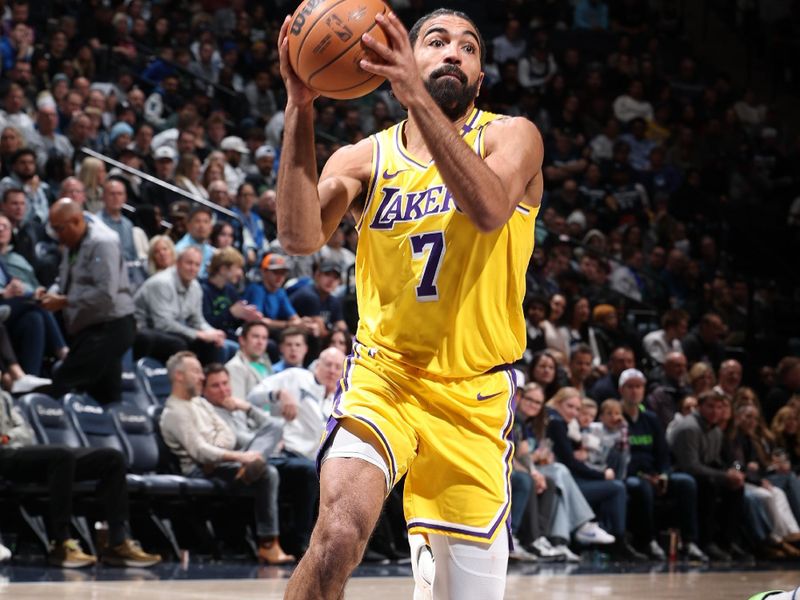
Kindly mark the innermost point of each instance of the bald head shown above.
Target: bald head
(328, 370)
(66, 220)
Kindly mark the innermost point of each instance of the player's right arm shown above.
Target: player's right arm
(309, 208)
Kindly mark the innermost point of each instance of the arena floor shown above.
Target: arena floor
(393, 582)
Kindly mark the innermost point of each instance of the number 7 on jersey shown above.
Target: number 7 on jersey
(431, 243)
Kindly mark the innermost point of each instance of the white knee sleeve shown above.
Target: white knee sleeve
(422, 566)
(464, 570)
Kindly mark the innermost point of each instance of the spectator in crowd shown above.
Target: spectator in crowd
(580, 367)
(152, 193)
(335, 251)
(188, 175)
(788, 376)
(198, 230)
(591, 15)
(169, 313)
(697, 444)
(46, 141)
(752, 450)
(511, 44)
(730, 376)
(270, 297)
(666, 397)
(650, 475)
(204, 444)
(606, 495)
(251, 363)
(253, 227)
(320, 310)
(573, 516)
(262, 174)
(24, 177)
(114, 198)
(674, 327)
(92, 175)
(60, 467)
(161, 254)
(234, 149)
(305, 399)
(556, 337)
(608, 385)
(222, 307)
(293, 348)
(536, 310)
(219, 194)
(544, 371)
(95, 302)
(704, 343)
(784, 428)
(29, 237)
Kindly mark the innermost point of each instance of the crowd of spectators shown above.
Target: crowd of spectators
(658, 330)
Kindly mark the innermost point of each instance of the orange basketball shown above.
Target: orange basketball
(325, 45)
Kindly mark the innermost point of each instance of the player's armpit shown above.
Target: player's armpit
(343, 180)
(514, 152)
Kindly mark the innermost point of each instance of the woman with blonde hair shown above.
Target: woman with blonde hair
(160, 254)
(701, 378)
(606, 495)
(187, 175)
(212, 171)
(93, 176)
(785, 426)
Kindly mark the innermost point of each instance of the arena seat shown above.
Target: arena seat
(152, 376)
(93, 423)
(50, 421)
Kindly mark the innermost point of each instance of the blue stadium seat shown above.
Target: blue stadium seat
(94, 423)
(50, 421)
(152, 376)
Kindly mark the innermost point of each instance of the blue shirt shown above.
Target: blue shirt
(253, 224)
(273, 305)
(206, 248)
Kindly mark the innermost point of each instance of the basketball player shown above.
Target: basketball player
(445, 204)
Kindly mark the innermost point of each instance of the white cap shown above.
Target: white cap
(629, 374)
(265, 151)
(164, 152)
(234, 143)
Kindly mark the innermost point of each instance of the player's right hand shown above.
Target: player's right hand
(296, 91)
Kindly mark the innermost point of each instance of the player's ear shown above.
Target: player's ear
(480, 83)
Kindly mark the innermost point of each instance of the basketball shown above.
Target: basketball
(325, 45)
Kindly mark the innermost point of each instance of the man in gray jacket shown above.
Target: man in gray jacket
(95, 301)
(169, 314)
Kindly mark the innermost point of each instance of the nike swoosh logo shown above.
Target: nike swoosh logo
(387, 175)
(482, 397)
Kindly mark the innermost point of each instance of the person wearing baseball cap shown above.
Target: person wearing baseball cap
(649, 473)
(262, 173)
(234, 148)
(316, 303)
(269, 296)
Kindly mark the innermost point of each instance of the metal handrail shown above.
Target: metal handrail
(162, 183)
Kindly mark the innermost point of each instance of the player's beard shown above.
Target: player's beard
(453, 96)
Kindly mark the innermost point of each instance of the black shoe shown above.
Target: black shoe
(622, 550)
(739, 553)
(716, 553)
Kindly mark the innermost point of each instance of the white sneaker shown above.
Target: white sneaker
(545, 551)
(693, 552)
(655, 551)
(591, 533)
(568, 554)
(5, 553)
(28, 383)
(520, 554)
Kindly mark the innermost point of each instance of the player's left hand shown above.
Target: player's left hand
(396, 61)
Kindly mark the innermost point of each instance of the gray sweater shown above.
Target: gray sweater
(95, 280)
(697, 448)
(164, 303)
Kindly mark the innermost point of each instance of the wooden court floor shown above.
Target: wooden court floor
(736, 585)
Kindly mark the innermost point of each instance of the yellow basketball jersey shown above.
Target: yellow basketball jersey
(434, 292)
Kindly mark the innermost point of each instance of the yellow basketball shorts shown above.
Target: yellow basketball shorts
(452, 437)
